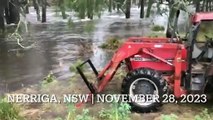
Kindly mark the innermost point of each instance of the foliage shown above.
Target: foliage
(49, 78)
(169, 117)
(158, 28)
(9, 111)
(204, 115)
(117, 112)
(112, 43)
(85, 8)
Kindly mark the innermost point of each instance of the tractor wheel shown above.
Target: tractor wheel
(144, 81)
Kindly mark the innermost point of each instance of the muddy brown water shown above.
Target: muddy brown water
(57, 47)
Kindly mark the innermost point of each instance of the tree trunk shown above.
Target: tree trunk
(27, 9)
(203, 5)
(149, 8)
(36, 7)
(110, 6)
(44, 19)
(3, 6)
(2, 25)
(197, 2)
(62, 8)
(209, 5)
(14, 12)
(142, 8)
(128, 7)
(206, 5)
(113, 6)
(90, 7)
(7, 15)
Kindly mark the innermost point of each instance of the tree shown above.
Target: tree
(142, 8)
(128, 7)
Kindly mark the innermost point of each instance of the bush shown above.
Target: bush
(117, 112)
(9, 111)
(158, 28)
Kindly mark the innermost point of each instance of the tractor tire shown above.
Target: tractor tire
(152, 84)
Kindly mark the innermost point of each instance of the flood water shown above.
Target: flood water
(57, 46)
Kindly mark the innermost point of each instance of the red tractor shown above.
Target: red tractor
(161, 66)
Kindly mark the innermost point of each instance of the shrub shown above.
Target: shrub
(117, 112)
(158, 28)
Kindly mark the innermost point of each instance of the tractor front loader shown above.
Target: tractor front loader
(159, 66)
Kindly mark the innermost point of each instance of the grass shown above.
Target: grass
(9, 111)
(89, 27)
(111, 44)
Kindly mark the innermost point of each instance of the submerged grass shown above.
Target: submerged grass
(111, 44)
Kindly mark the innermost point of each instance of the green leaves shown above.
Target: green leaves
(86, 8)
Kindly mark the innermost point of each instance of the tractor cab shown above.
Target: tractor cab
(203, 36)
(200, 51)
